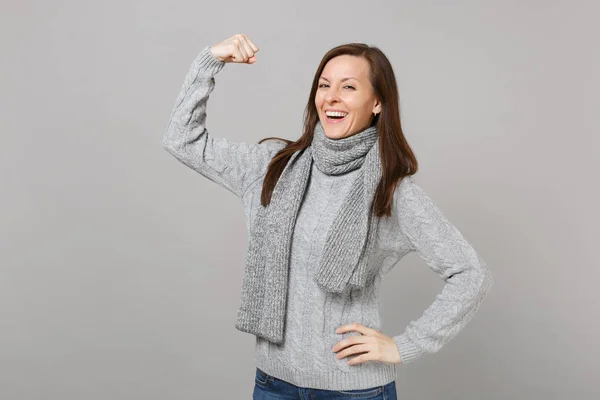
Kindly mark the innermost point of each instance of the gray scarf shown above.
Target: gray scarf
(349, 240)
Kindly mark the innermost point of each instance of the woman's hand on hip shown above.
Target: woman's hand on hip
(371, 345)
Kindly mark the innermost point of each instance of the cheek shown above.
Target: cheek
(352, 104)
(318, 101)
(360, 109)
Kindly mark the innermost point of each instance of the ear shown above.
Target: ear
(376, 108)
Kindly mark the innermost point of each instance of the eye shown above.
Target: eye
(349, 86)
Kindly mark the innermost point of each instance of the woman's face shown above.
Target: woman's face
(344, 86)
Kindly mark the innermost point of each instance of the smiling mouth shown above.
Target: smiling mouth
(335, 120)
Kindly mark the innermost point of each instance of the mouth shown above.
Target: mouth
(336, 119)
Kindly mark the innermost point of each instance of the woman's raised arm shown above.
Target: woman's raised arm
(232, 165)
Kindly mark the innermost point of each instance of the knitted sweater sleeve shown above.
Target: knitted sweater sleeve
(466, 275)
(232, 165)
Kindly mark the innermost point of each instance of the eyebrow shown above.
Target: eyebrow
(344, 79)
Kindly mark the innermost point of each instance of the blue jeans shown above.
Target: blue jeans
(267, 387)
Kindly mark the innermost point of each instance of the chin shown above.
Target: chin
(337, 136)
(333, 133)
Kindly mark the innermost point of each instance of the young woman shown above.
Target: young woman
(328, 215)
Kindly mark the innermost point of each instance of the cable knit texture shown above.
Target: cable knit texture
(345, 257)
(305, 358)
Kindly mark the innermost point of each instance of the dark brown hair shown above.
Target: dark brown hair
(397, 158)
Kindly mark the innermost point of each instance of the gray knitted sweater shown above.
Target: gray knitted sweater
(417, 224)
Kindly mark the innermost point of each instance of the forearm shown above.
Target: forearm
(446, 251)
(186, 136)
(453, 308)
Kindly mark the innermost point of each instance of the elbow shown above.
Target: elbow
(477, 276)
(171, 140)
(488, 281)
(171, 145)
(485, 278)
(167, 144)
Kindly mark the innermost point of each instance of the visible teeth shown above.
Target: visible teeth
(335, 113)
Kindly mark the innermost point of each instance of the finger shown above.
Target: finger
(251, 43)
(249, 51)
(359, 348)
(350, 341)
(361, 358)
(236, 56)
(355, 326)
(241, 48)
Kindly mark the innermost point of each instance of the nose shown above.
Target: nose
(332, 95)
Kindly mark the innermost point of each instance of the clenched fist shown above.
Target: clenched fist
(238, 49)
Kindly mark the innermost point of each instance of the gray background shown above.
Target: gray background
(121, 269)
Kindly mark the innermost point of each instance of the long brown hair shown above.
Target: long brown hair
(397, 158)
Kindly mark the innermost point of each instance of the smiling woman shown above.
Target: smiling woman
(328, 216)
